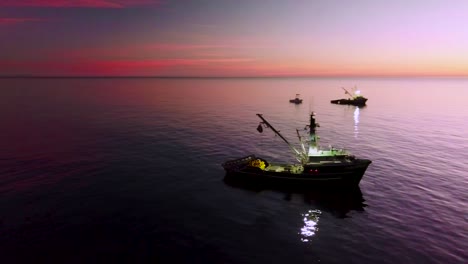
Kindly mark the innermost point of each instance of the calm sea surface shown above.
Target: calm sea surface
(129, 171)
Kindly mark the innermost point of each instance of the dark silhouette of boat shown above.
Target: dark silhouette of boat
(296, 100)
(316, 167)
(355, 98)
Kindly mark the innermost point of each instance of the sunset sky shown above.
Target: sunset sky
(234, 37)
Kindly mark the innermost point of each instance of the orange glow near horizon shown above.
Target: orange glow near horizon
(225, 67)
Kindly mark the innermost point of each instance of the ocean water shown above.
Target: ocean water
(129, 171)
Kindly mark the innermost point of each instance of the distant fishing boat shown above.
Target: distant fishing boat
(296, 100)
(355, 98)
(316, 166)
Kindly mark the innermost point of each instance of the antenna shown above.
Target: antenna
(311, 103)
(346, 92)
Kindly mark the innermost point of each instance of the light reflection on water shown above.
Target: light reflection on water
(356, 122)
(310, 228)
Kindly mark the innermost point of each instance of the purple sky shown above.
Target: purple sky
(234, 38)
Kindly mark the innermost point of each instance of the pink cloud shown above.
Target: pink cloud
(179, 46)
(123, 51)
(16, 20)
(78, 3)
(175, 47)
(194, 51)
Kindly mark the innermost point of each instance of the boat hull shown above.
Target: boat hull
(296, 101)
(357, 102)
(313, 175)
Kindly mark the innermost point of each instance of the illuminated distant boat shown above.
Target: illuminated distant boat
(296, 100)
(355, 98)
(315, 166)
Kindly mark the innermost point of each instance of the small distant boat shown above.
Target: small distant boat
(316, 167)
(296, 100)
(355, 98)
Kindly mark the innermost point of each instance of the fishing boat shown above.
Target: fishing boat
(355, 98)
(296, 100)
(315, 166)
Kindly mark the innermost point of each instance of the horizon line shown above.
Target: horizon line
(32, 76)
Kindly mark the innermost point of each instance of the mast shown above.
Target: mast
(299, 155)
(313, 136)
